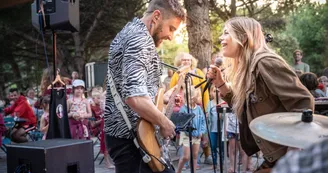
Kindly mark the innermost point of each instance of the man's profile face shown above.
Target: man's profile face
(14, 95)
(165, 30)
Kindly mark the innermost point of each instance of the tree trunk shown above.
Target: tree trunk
(15, 69)
(79, 58)
(199, 33)
(233, 8)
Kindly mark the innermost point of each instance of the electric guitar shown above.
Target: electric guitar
(149, 136)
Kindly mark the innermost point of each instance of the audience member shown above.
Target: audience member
(300, 66)
(22, 110)
(310, 81)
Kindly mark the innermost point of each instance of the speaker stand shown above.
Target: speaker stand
(54, 51)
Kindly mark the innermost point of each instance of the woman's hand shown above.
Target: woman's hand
(215, 74)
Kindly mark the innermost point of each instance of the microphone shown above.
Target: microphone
(217, 62)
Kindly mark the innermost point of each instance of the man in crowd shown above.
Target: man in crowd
(22, 110)
(299, 66)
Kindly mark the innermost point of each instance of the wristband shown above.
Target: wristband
(221, 85)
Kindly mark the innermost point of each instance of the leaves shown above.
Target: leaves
(309, 26)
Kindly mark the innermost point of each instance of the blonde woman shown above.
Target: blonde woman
(258, 82)
(185, 59)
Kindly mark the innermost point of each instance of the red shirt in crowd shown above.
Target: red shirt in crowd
(22, 109)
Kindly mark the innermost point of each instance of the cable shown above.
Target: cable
(41, 23)
(208, 131)
(44, 44)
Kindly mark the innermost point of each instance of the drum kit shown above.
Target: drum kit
(293, 129)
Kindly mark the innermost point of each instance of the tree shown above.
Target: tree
(310, 27)
(198, 27)
(22, 44)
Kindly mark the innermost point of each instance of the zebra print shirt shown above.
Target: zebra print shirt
(135, 67)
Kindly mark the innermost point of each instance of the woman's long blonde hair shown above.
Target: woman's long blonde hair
(45, 80)
(247, 32)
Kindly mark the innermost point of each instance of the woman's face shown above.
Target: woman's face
(186, 61)
(229, 45)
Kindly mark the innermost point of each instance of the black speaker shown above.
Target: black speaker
(51, 156)
(60, 15)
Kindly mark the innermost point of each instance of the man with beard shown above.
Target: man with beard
(134, 66)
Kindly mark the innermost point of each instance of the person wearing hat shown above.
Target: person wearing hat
(78, 109)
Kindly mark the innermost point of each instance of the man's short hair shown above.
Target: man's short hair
(168, 8)
(298, 50)
(11, 90)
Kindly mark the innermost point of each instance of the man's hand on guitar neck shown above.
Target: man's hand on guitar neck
(146, 109)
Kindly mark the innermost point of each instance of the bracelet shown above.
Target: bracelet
(221, 85)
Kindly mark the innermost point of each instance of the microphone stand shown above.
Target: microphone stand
(219, 132)
(177, 69)
(189, 128)
(224, 110)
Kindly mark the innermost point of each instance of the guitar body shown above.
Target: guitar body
(146, 135)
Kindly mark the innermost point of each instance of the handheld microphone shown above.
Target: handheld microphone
(217, 62)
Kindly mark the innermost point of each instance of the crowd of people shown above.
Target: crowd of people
(85, 110)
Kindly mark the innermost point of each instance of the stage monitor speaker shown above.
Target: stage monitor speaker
(95, 73)
(51, 156)
(60, 15)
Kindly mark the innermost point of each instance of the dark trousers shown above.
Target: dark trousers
(127, 157)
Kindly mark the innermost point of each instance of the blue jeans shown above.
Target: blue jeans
(214, 145)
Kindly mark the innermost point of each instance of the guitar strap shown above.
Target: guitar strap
(120, 106)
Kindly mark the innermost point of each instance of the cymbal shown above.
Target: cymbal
(287, 128)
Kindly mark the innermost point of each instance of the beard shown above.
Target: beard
(156, 37)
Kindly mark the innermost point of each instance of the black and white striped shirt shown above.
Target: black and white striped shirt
(135, 66)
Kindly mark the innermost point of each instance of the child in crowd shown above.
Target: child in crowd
(97, 126)
(198, 123)
(78, 109)
(44, 122)
(323, 80)
(232, 133)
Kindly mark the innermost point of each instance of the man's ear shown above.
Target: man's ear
(156, 16)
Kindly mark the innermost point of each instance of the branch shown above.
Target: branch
(268, 5)
(245, 3)
(218, 11)
(248, 8)
(29, 38)
(32, 58)
(94, 24)
(225, 8)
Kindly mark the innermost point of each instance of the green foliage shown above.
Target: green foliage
(217, 26)
(169, 49)
(309, 26)
(284, 45)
